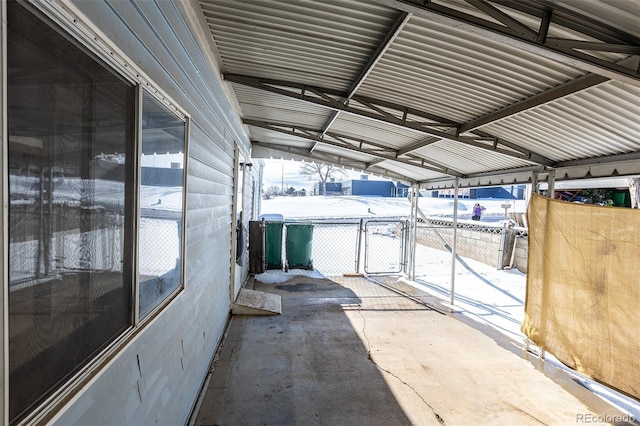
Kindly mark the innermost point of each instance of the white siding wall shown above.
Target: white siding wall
(157, 377)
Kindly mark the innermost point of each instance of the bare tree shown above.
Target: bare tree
(322, 172)
(272, 191)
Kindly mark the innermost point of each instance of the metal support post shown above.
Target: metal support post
(455, 236)
(551, 191)
(413, 232)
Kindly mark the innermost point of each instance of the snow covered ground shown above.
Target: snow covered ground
(351, 206)
(483, 293)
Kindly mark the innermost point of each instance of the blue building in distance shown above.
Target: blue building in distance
(364, 187)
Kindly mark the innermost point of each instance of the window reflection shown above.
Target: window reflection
(161, 204)
(70, 128)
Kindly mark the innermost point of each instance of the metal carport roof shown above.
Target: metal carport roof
(487, 91)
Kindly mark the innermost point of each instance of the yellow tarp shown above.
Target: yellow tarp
(583, 289)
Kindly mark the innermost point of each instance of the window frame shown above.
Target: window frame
(70, 24)
(137, 319)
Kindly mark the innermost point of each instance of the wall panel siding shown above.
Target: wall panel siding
(155, 379)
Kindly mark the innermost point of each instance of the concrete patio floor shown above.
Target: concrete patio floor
(348, 351)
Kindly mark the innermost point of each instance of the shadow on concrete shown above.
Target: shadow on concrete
(307, 366)
(349, 351)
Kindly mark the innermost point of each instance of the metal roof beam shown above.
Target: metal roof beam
(417, 145)
(513, 33)
(342, 141)
(608, 159)
(393, 32)
(376, 109)
(626, 164)
(267, 150)
(589, 27)
(557, 92)
(383, 111)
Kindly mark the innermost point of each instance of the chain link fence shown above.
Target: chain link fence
(385, 243)
(378, 246)
(159, 248)
(490, 245)
(339, 246)
(335, 247)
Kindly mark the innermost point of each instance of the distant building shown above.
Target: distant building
(378, 188)
(513, 192)
(331, 188)
(509, 192)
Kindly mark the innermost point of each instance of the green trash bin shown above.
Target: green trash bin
(618, 199)
(273, 245)
(298, 246)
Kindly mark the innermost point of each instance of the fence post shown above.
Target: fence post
(406, 226)
(503, 240)
(359, 245)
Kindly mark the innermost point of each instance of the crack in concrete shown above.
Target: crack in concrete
(364, 333)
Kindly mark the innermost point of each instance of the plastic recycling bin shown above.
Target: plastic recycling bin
(298, 245)
(273, 245)
(618, 199)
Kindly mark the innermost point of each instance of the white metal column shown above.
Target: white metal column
(453, 243)
(413, 232)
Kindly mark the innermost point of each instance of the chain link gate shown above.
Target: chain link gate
(385, 246)
(335, 246)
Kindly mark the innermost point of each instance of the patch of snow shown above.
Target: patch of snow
(278, 276)
(351, 206)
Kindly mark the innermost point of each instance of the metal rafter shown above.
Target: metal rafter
(557, 92)
(352, 144)
(514, 33)
(568, 88)
(393, 32)
(389, 113)
(267, 150)
(375, 109)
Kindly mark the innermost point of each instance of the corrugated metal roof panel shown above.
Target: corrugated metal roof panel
(320, 43)
(596, 122)
(447, 71)
(260, 105)
(621, 14)
(468, 159)
(555, 30)
(416, 174)
(344, 152)
(374, 131)
(458, 72)
(269, 136)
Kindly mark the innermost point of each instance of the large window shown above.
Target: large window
(73, 186)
